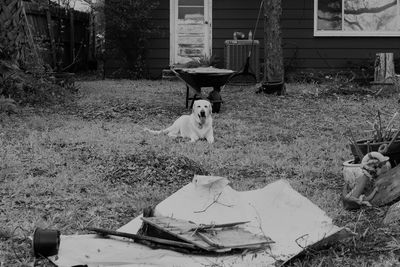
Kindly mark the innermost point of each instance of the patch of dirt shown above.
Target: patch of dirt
(153, 168)
(115, 109)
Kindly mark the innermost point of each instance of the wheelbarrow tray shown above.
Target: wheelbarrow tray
(204, 77)
(196, 78)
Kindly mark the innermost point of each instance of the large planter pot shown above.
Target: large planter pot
(393, 153)
(351, 172)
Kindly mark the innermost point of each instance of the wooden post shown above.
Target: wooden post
(384, 68)
(92, 36)
(51, 36)
(273, 56)
(29, 33)
(72, 36)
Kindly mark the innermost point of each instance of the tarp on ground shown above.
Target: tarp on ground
(277, 211)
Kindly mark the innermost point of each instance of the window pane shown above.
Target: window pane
(191, 13)
(329, 15)
(191, 2)
(371, 15)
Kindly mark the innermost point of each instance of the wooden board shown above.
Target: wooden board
(388, 185)
(234, 238)
(212, 239)
(393, 214)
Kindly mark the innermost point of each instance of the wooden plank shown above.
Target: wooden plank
(181, 230)
(191, 40)
(388, 185)
(234, 238)
(393, 214)
(190, 29)
(254, 4)
(143, 237)
(52, 41)
(218, 238)
(233, 24)
(72, 36)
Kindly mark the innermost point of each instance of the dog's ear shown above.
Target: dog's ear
(210, 109)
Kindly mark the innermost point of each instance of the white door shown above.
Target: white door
(191, 29)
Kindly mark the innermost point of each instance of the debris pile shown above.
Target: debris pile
(187, 237)
(154, 168)
(206, 222)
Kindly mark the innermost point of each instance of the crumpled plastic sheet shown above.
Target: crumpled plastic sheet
(277, 211)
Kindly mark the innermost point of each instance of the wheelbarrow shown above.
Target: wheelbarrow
(196, 78)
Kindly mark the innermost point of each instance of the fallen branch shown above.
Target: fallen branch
(212, 203)
(142, 237)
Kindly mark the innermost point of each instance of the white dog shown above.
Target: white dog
(195, 126)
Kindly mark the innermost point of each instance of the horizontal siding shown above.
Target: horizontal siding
(343, 43)
(300, 47)
(324, 53)
(299, 44)
(230, 16)
(158, 55)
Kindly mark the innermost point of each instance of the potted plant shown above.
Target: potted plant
(384, 139)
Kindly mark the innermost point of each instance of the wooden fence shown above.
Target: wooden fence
(63, 36)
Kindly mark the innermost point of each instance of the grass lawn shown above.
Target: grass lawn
(89, 163)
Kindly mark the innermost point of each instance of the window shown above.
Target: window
(190, 10)
(356, 18)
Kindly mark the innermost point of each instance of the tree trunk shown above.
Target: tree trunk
(273, 55)
(384, 68)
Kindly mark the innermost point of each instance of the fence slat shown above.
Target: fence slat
(59, 39)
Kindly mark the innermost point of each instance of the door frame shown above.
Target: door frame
(173, 26)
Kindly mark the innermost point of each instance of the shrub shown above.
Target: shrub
(128, 27)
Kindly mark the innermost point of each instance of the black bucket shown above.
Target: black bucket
(45, 242)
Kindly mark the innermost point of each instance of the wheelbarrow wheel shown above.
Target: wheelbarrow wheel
(216, 106)
(215, 98)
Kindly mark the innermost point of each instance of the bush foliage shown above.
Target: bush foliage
(24, 78)
(128, 27)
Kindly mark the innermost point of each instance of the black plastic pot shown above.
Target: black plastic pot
(45, 242)
(393, 153)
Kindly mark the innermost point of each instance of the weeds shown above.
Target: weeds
(72, 166)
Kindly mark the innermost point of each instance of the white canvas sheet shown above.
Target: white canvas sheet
(277, 210)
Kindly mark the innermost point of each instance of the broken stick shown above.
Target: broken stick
(143, 237)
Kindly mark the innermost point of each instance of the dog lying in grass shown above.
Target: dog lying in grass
(197, 125)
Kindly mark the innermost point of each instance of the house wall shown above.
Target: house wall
(230, 16)
(302, 51)
(158, 53)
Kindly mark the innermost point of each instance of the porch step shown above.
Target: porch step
(167, 74)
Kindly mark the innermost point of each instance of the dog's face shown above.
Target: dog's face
(202, 110)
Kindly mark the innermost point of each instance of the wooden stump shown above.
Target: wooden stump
(384, 68)
(393, 214)
(388, 185)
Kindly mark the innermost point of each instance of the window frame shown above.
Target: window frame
(343, 33)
